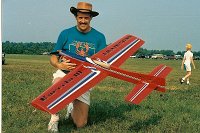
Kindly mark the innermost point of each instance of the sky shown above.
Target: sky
(162, 24)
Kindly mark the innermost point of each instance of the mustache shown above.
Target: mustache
(83, 23)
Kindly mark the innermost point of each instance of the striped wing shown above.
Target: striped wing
(70, 87)
(117, 52)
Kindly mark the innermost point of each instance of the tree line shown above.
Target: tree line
(27, 48)
(42, 47)
(146, 52)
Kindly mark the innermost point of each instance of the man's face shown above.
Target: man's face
(83, 21)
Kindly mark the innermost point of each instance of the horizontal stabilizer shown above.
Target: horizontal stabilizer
(160, 73)
(139, 92)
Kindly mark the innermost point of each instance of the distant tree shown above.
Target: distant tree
(196, 53)
(167, 52)
(179, 53)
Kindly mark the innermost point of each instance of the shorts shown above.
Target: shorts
(83, 98)
(187, 67)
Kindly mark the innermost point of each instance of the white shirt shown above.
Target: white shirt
(188, 55)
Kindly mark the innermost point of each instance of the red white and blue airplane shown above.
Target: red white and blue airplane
(90, 71)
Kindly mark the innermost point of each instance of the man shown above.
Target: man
(83, 40)
(187, 60)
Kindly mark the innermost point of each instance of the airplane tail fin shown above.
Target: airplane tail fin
(143, 89)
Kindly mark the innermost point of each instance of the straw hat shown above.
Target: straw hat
(84, 7)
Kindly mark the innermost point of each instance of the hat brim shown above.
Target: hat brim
(74, 11)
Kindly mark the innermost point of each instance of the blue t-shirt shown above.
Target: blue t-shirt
(84, 44)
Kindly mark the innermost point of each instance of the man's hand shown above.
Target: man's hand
(66, 65)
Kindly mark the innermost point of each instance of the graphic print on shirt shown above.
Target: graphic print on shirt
(82, 48)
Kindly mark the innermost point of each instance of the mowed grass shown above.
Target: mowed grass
(177, 110)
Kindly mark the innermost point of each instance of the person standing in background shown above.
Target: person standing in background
(186, 63)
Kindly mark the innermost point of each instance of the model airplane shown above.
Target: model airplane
(90, 71)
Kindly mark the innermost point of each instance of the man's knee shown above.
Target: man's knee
(80, 123)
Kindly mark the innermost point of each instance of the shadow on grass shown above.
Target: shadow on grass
(142, 125)
(66, 126)
(101, 111)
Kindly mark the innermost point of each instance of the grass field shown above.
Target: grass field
(177, 110)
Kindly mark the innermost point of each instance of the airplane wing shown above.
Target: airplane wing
(70, 87)
(117, 52)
